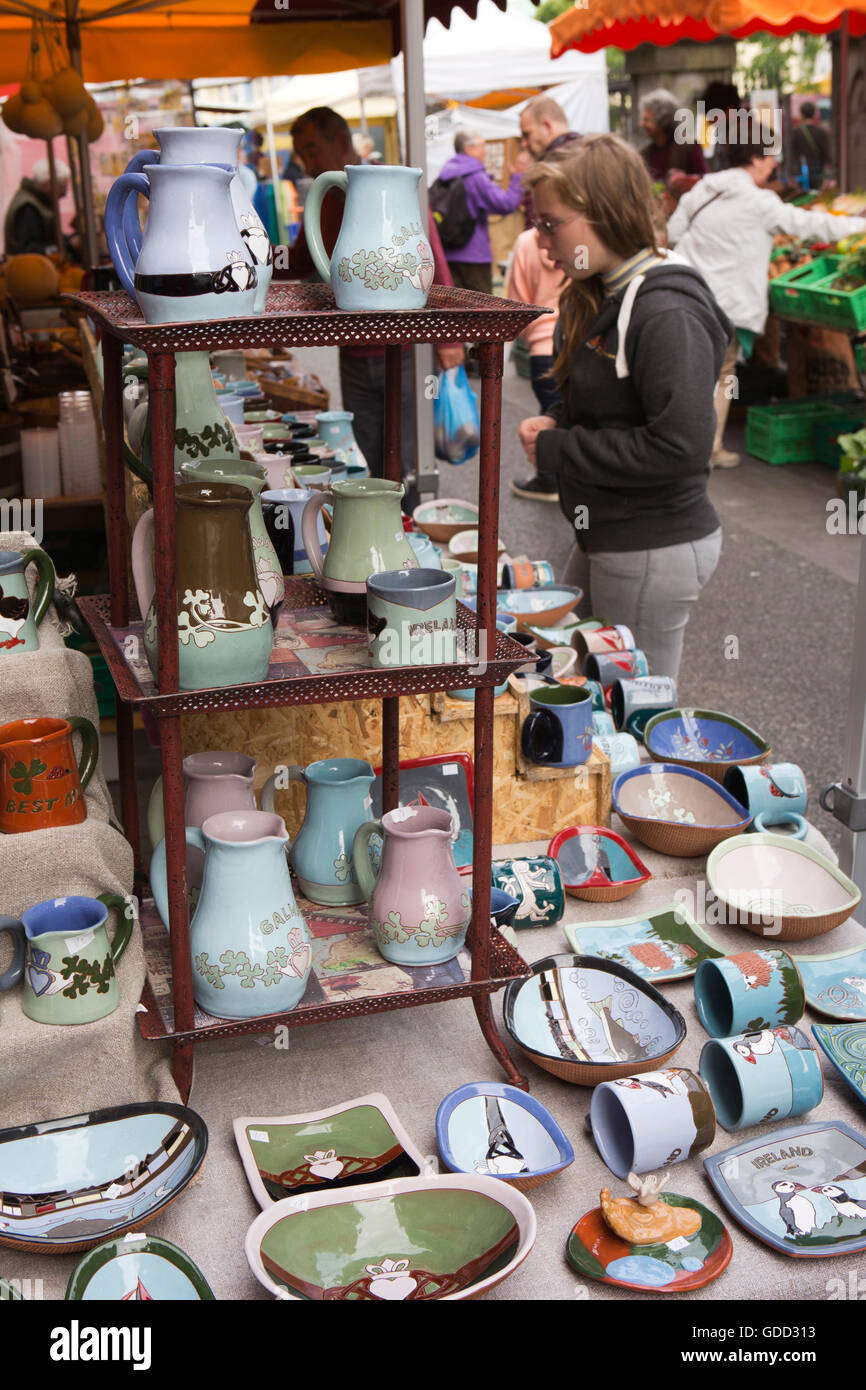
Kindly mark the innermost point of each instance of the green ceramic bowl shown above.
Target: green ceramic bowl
(452, 1236)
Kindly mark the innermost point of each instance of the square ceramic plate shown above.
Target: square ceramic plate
(666, 945)
(835, 983)
(845, 1045)
(800, 1190)
(360, 1141)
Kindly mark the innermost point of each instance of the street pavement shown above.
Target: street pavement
(785, 587)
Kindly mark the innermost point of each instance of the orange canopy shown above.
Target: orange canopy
(626, 23)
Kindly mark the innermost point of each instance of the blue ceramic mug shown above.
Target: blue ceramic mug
(775, 794)
(558, 729)
(747, 992)
(770, 1074)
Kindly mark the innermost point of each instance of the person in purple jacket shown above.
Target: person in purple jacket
(472, 265)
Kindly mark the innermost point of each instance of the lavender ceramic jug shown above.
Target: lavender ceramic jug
(214, 781)
(419, 906)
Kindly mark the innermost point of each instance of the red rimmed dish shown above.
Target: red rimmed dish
(596, 864)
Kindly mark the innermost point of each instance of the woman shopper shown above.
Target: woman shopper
(724, 227)
(639, 346)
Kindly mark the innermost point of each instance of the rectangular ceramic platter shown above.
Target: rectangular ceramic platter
(836, 983)
(799, 1220)
(667, 945)
(346, 962)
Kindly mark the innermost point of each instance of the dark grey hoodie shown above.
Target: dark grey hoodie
(637, 424)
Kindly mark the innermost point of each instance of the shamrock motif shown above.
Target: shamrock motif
(344, 270)
(393, 929)
(256, 601)
(362, 260)
(22, 776)
(234, 962)
(342, 867)
(209, 971)
(249, 973)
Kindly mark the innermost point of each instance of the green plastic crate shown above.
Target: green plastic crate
(792, 293)
(826, 435)
(784, 433)
(843, 309)
(102, 682)
(860, 356)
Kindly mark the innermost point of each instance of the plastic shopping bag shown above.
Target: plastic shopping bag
(456, 423)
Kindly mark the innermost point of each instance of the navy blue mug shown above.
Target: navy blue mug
(558, 729)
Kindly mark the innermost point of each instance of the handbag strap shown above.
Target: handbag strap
(704, 205)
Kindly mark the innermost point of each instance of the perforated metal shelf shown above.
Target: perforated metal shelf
(300, 315)
(303, 688)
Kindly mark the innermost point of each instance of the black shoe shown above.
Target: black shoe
(539, 487)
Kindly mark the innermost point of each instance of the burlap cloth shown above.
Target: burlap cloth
(47, 1070)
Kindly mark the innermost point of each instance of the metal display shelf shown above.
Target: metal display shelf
(299, 316)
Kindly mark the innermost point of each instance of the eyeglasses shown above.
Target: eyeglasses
(549, 225)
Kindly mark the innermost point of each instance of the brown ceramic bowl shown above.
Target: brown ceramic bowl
(676, 810)
(445, 517)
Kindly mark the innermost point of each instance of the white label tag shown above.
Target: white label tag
(78, 943)
(450, 770)
(403, 813)
(368, 802)
(137, 1237)
(259, 1136)
(678, 1243)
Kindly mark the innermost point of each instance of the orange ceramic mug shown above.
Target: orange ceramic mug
(41, 783)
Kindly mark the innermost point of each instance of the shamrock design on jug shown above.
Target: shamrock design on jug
(206, 617)
(386, 268)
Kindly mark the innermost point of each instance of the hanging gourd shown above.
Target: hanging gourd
(13, 112)
(30, 92)
(68, 93)
(95, 123)
(77, 124)
(40, 121)
(31, 279)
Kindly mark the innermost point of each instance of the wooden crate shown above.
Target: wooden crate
(523, 809)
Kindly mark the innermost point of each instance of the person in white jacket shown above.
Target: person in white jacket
(724, 227)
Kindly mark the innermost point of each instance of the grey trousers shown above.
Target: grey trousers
(651, 591)
(362, 384)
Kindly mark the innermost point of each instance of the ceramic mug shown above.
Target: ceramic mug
(614, 666)
(602, 724)
(536, 883)
(622, 751)
(19, 618)
(411, 618)
(770, 1074)
(634, 702)
(747, 992)
(775, 795)
(527, 574)
(557, 732)
(599, 640)
(65, 958)
(454, 568)
(642, 1123)
(41, 785)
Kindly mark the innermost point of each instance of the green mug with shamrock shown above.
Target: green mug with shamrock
(41, 782)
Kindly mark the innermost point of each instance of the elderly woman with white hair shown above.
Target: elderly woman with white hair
(471, 263)
(659, 119)
(29, 223)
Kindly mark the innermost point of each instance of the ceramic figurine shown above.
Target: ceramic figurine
(250, 945)
(382, 257)
(338, 803)
(224, 634)
(644, 1219)
(217, 145)
(419, 907)
(41, 783)
(193, 263)
(19, 617)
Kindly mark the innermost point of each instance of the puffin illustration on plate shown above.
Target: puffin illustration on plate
(796, 1211)
(844, 1203)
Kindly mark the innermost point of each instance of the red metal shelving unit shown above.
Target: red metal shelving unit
(297, 316)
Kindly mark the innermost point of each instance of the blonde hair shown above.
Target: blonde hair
(607, 181)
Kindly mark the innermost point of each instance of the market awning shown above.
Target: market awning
(182, 39)
(662, 22)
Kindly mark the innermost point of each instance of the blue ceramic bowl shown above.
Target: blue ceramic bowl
(137, 1268)
(69, 1184)
(492, 1128)
(704, 740)
(676, 810)
(543, 607)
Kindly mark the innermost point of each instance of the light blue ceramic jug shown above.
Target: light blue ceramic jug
(250, 946)
(338, 802)
(335, 428)
(382, 257)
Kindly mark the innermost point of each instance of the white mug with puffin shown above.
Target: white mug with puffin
(20, 615)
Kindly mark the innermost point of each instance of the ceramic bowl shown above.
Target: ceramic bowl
(464, 547)
(449, 1236)
(535, 607)
(445, 517)
(675, 810)
(703, 740)
(494, 1129)
(137, 1268)
(780, 888)
(360, 1141)
(597, 864)
(557, 637)
(588, 1020)
(68, 1184)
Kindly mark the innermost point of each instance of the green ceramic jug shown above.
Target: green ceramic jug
(246, 473)
(201, 431)
(367, 537)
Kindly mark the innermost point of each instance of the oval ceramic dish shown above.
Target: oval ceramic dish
(596, 1252)
(597, 864)
(781, 888)
(704, 740)
(676, 810)
(445, 517)
(449, 1236)
(492, 1128)
(137, 1269)
(588, 1020)
(539, 607)
(68, 1184)
(464, 547)
(553, 635)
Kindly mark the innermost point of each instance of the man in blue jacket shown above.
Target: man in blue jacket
(472, 264)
